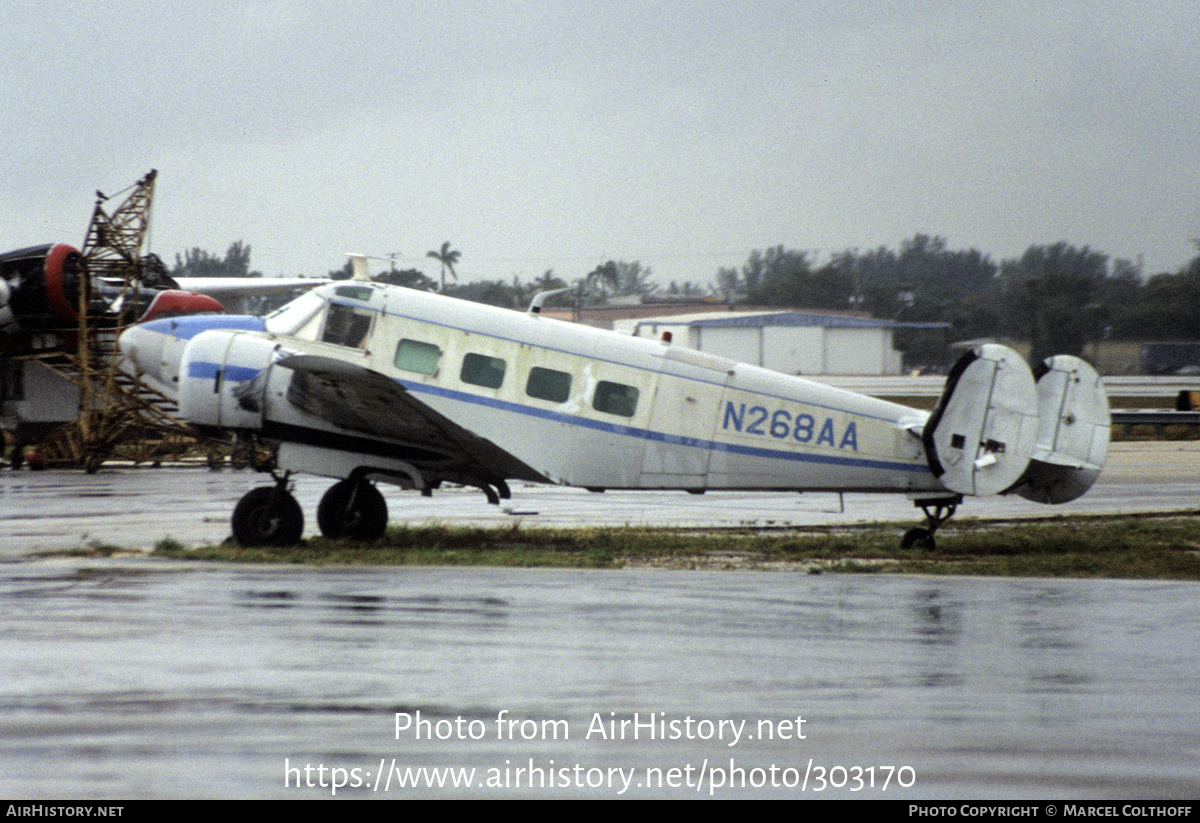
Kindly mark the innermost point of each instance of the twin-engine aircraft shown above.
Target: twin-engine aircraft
(361, 382)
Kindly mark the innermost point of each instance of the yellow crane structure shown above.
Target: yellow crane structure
(115, 409)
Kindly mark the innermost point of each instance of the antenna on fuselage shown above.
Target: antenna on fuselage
(358, 263)
(535, 305)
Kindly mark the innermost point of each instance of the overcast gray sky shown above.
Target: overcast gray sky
(537, 135)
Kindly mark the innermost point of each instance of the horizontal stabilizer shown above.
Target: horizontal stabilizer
(981, 436)
(1073, 432)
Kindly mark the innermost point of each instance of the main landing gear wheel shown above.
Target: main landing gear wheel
(268, 516)
(354, 509)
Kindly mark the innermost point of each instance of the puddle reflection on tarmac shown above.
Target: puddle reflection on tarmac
(140, 678)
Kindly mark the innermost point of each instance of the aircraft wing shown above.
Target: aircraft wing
(364, 401)
(233, 292)
(220, 286)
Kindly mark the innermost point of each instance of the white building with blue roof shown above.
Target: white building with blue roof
(792, 342)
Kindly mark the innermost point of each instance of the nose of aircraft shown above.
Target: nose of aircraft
(144, 345)
(155, 349)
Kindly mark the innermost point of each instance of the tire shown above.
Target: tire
(917, 539)
(353, 509)
(268, 517)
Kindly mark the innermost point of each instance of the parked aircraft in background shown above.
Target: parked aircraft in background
(360, 381)
(40, 312)
(39, 294)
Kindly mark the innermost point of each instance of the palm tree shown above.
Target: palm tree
(548, 282)
(447, 258)
(604, 278)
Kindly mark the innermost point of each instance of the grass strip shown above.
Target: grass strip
(1149, 547)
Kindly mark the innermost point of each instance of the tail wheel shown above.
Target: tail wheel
(918, 539)
(268, 516)
(937, 511)
(354, 509)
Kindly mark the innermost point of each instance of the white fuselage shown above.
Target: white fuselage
(578, 405)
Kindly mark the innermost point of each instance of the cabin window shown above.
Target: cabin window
(346, 326)
(614, 398)
(481, 370)
(548, 384)
(413, 355)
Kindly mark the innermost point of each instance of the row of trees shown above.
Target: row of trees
(196, 262)
(1059, 297)
(604, 283)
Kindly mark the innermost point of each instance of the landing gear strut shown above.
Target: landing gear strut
(353, 508)
(268, 516)
(937, 512)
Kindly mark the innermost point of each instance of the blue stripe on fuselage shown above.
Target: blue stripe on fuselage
(663, 437)
(242, 373)
(185, 328)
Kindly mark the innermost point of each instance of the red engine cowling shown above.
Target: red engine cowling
(40, 287)
(176, 303)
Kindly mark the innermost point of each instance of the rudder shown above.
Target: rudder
(1074, 424)
(980, 438)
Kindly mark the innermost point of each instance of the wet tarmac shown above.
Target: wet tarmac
(130, 679)
(137, 507)
(141, 678)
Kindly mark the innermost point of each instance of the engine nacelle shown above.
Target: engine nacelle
(177, 303)
(154, 349)
(222, 379)
(40, 288)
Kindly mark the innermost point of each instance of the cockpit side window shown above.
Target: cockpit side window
(347, 326)
(363, 293)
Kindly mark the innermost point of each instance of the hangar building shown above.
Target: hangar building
(793, 342)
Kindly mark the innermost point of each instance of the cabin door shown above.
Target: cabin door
(685, 415)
